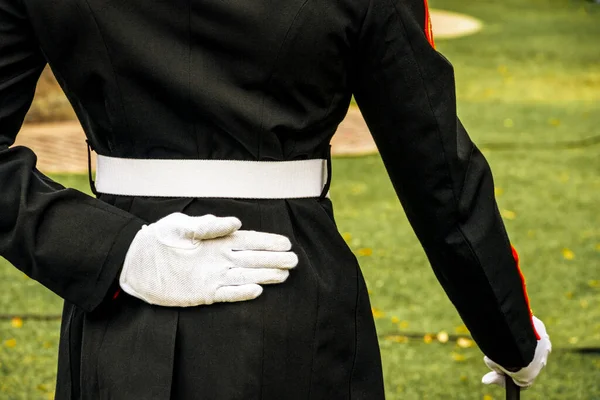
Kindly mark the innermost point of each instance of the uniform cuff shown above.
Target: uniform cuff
(107, 283)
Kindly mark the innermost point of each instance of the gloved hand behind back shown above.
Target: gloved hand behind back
(183, 261)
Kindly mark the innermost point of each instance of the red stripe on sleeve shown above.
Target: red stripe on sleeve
(516, 257)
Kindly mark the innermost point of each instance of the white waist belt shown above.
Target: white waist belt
(211, 178)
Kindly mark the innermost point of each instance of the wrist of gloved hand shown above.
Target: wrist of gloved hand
(523, 377)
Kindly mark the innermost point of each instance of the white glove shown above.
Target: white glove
(525, 376)
(183, 261)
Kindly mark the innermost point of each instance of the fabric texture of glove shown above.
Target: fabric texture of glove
(183, 261)
(525, 376)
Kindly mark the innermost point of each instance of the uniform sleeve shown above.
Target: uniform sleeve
(70, 242)
(405, 90)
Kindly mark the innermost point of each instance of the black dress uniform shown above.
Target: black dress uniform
(235, 80)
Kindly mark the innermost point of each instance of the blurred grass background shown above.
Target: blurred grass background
(530, 78)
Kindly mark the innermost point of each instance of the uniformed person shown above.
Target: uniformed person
(210, 116)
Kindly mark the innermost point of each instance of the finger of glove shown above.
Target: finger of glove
(253, 240)
(494, 378)
(264, 276)
(493, 366)
(544, 346)
(540, 327)
(264, 259)
(519, 377)
(211, 227)
(230, 294)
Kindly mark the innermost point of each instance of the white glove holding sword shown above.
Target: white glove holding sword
(183, 261)
(525, 376)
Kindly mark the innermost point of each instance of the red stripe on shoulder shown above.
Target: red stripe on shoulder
(428, 28)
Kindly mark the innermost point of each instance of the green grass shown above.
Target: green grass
(530, 77)
(28, 370)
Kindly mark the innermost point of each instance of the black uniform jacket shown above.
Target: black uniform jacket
(245, 80)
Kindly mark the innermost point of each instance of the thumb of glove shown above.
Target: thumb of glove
(494, 378)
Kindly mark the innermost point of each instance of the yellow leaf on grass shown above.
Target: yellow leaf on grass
(365, 251)
(464, 343)
(347, 236)
(397, 338)
(563, 177)
(16, 322)
(428, 338)
(554, 121)
(508, 214)
(598, 247)
(569, 295)
(10, 342)
(487, 397)
(442, 337)
(458, 357)
(403, 324)
(377, 313)
(463, 378)
(461, 329)
(358, 188)
(395, 320)
(43, 387)
(27, 360)
(568, 254)
(594, 283)
(498, 191)
(584, 304)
